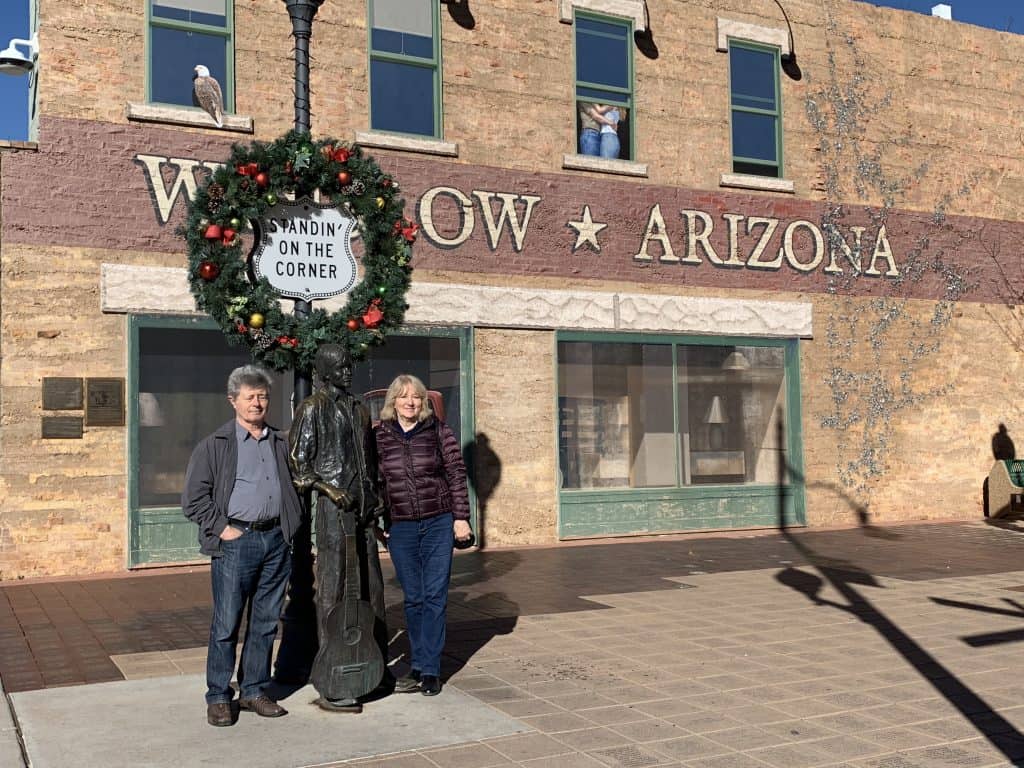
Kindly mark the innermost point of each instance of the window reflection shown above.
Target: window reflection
(620, 403)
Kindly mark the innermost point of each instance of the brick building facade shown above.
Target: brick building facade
(805, 270)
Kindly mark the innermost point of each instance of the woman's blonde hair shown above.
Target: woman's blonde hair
(397, 387)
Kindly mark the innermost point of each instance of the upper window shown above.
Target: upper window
(405, 56)
(183, 34)
(604, 86)
(756, 109)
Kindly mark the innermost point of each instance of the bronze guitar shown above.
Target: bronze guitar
(350, 665)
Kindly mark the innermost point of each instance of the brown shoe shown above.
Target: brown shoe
(263, 706)
(219, 714)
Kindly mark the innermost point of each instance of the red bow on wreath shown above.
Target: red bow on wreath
(373, 315)
(407, 228)
(248, 169)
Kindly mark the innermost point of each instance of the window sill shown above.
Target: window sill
(763, 183)
(196, 118)
(604, 165)
(407, 143)
(19, 146)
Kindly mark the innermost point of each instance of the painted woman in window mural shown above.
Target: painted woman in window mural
(599, 129)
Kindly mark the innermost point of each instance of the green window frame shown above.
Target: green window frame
(683, 502)
(592, 31)
(156, 530)
(755, 115)
(224, 70)
(402, 68)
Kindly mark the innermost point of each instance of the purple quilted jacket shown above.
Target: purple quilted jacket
(422, 471)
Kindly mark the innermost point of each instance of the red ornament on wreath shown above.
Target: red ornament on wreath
(352, 324)
(344, 177)
(373, 315)
(262, 180)
(208, 270)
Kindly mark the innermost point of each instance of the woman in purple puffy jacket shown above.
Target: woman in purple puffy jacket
(424, 483)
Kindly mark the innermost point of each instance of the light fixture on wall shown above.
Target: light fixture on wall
(736, 361)
(789, 65)
(14, 62)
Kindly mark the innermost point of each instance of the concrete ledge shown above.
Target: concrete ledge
(19, 146)
(127, 288)
(196, 118)
(407, 143)
(749, 181)
(755, 33)
(627, 9)
(603, 165)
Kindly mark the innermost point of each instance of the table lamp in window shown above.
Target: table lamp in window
(716, 419)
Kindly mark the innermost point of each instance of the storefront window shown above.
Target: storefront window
(630, 418)
(182, 391)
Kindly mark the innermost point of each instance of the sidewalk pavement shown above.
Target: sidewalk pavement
(860, 648)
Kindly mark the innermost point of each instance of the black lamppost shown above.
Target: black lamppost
(298, 635)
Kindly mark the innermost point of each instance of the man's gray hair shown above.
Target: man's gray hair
(251, 376)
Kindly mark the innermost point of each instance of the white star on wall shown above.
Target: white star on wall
(586, 231)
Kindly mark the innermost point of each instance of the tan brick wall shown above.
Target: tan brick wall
(64, 505)
(915, 90)
(515, 408)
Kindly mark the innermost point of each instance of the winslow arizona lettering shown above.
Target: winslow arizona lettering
(750, 242)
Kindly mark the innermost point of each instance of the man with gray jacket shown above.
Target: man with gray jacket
(238, 490)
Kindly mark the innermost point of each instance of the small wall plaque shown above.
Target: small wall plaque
(62, 394)
(62, 427)
(104, 402)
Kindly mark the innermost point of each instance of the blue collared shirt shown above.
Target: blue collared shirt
(257, 491)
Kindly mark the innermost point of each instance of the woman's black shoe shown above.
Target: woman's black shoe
(430, 685)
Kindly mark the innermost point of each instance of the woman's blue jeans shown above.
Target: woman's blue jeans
(610, 145)
(252, 569)
(421, 551)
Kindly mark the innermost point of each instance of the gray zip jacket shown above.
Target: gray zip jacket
(210, 478)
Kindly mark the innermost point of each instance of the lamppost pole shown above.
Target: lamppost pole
(298, 633)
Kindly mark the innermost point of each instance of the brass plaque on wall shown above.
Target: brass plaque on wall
(62, 393)
(104, 402)
(62, 427)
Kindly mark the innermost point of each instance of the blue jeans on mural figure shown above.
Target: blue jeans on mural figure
(421, 551)
(590, 142)
(610, 145)
(252, 569)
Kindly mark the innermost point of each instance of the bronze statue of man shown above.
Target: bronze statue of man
(331, 450)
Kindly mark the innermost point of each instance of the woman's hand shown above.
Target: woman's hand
(462, 530)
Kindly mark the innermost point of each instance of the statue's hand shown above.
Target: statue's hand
(338, 497)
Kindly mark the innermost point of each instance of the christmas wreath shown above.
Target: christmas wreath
(248, 309)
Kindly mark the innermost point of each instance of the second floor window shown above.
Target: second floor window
(405, 83)
(756, 109)
(183, 34)
(604, 87)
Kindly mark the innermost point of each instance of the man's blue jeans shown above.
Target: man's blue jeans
(590, 142)
(252, 569)
(421, 551)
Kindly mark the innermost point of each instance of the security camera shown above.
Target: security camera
(14, 62)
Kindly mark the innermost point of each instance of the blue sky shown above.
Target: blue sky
(13, 90)
(1004, 15)
(996, 14)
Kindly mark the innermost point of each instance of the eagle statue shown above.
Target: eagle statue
(206, 94)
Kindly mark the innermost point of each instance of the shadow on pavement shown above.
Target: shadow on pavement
(999, 732)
